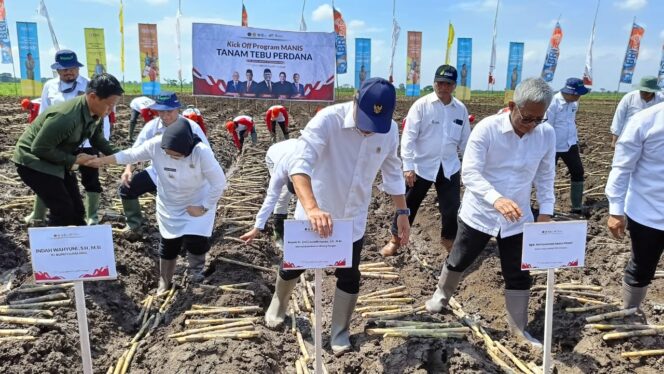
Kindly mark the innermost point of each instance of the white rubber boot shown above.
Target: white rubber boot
(342, 311)
(516, 304)
(447, 285)
(276, 313)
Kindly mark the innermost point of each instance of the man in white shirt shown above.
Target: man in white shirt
(66, 86)
(167, 107)
(338, 156)
(506, 155)
(562, 116)
(279, 190)
(635, 189)
(436, 130)
(646, 94)
(139, 106)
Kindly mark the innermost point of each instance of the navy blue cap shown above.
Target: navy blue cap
(574, 86)
(446, 73)
(375, 103)
(65, 59)
(165, 101)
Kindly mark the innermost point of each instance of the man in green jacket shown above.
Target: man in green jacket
(44, 154)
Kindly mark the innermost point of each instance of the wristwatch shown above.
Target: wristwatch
(403, 212)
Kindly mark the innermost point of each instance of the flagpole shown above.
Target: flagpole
(14, 75)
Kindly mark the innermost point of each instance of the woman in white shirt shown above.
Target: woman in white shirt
(189, 184)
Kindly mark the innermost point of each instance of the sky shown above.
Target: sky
(530, 22)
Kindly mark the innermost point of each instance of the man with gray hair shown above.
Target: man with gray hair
(506, 154)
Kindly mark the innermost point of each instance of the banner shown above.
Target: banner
(340, 30)
(28, 53)
(464, 66)
(514, 65)
(122, 48)
(242, 62)
(660, 75)
(632, 53)
(245, 16)
(149, 58)
(588, 68)
(5, 44)
(362, 61)
(42, 11)
(551, 59)
(492, 62)
(450, 41)
(95, 51)
(413, 61)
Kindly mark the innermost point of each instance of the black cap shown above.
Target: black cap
(446, 73)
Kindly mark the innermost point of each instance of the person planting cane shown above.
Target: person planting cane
(190, 183)
(277, 114)
(336, 161)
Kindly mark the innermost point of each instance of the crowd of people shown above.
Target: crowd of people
(331, 169)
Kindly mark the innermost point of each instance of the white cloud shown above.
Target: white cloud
(322, 13)
(478, 5)
(631, 4)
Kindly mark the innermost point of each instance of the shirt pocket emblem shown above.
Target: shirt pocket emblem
(378, 149)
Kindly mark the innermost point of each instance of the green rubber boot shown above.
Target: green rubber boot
(91, 207)
(132, 128)
(576, 196)
(38, 213)
(134, 218)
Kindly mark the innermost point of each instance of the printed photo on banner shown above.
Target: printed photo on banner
(362, 61)
(247, 62)
(149, 58)
(464, 67)
(514, 65)
(28, 52)
(413, 62)
(95, 51)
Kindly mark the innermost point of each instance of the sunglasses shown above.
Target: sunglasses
(524, 120)
(70, 89)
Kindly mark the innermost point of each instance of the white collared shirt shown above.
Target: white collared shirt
(562, 116)
(343, 163)
(498, 163)
(277, 159)
(52, 94)
(433, 135)
(629, 105)
(156, 127)
(636, 182)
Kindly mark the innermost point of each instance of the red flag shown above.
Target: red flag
(245, 21)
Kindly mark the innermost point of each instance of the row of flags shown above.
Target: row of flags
(548, 69)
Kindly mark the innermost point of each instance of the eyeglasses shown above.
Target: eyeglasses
(70, 89)
(535, 121)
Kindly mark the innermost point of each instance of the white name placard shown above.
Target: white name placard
(553, 245)
(305, 249)
(62, 254)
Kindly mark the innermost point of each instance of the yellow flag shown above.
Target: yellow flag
(122, 51)
(450, 40)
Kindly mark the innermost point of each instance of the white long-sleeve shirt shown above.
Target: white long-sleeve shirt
(498, 163)
(629, 105)
(636, 182)
(343, 163)
(52, 94)
(562, 116)
(277, 159)
(156, 127)
(433, 135)
(196, 180)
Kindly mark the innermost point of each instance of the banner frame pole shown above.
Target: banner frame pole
(81, 314)
(318, 337)
(548, 321)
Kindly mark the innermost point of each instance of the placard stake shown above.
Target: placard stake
(79, 295)
(318, 338)
(548, 320)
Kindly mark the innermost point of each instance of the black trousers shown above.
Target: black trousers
(134, 116)
(572, 159)
(647, 248)
(470, 243)
(89, 176)
(61, 195)
(140, 184)
(195, 244)
(348, 279)
(282, 124)
(449, 200)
